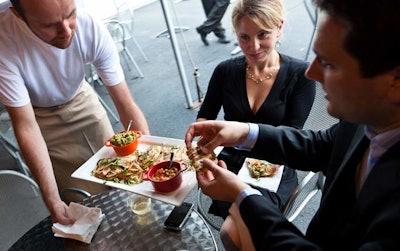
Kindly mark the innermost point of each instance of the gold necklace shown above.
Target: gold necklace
(260, 80)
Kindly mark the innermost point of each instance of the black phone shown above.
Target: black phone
(178, 217)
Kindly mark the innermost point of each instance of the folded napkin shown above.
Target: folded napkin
(87, 220)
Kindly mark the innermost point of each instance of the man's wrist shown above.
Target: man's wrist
(245, 193)
(251, 138)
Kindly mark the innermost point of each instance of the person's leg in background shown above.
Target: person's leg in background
(215, 11)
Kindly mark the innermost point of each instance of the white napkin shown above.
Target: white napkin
(87, 220)
(270, 183)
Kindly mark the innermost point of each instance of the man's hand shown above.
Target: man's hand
(220, 183)
(215, 133)
(59, 214)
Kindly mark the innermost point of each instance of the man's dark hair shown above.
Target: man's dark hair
(373, 36)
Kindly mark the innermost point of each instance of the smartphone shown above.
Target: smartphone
(178, 217)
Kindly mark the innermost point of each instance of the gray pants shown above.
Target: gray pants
(215, 11)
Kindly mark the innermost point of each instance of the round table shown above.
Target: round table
(121, 229)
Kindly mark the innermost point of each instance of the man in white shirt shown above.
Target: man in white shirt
(57, 118)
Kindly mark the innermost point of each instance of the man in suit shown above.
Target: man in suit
(215, 11)
(360, 156)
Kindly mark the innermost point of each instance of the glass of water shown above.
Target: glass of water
(139, 204)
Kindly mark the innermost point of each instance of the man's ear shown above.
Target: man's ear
(16, 13)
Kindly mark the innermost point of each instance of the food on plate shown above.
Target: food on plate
(120, 170)
(159, 153)
(123, 138)
(165, 173)
(124, 142)
(196, 156)
(261, 168)
(128, 169)
(164, 178)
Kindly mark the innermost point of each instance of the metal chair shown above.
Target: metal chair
(92, 78)
(120, 37)
(203, 203)
(305, 191)
(21, 206)
(8, 141)
(73, 194)
(308, 187)
(125, 15)
(312, 11)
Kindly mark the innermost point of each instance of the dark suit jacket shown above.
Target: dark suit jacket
(344, 221)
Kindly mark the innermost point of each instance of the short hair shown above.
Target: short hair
(268, 14)
(373, 32)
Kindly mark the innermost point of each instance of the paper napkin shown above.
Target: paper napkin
(87, 221)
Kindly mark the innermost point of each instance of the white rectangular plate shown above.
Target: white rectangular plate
(145, 188)
(270, 183)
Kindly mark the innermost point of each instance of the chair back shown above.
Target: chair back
(313, 13)
(117, 33)
(125, 16)
(21, 206)
(203, 204)
(73, 194)
(9, 142)
(318, 119)
(305, 191)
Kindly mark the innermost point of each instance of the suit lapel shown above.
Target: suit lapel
(352, 157)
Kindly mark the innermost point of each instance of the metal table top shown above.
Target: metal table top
(121, 229)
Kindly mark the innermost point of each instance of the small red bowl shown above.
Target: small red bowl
(125, 149)
(169, 185)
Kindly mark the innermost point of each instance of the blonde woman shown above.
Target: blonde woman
(262, 86)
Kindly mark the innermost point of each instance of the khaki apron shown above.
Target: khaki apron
(73, 133)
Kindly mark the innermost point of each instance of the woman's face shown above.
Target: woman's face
(256, 42)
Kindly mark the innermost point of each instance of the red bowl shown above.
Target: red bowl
(169, 185)
(125, 149)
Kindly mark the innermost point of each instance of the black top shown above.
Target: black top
(288, 103)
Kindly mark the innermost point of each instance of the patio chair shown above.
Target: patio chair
(120, 37)
(312, 12)
(73, 194)
(21, 206)
(203, 204)
(8, 141)
(92, 78)
(125, 15)
(305, 191)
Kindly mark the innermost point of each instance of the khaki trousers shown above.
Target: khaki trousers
(73, 133)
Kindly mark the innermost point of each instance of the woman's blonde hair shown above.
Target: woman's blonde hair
(268, 14)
